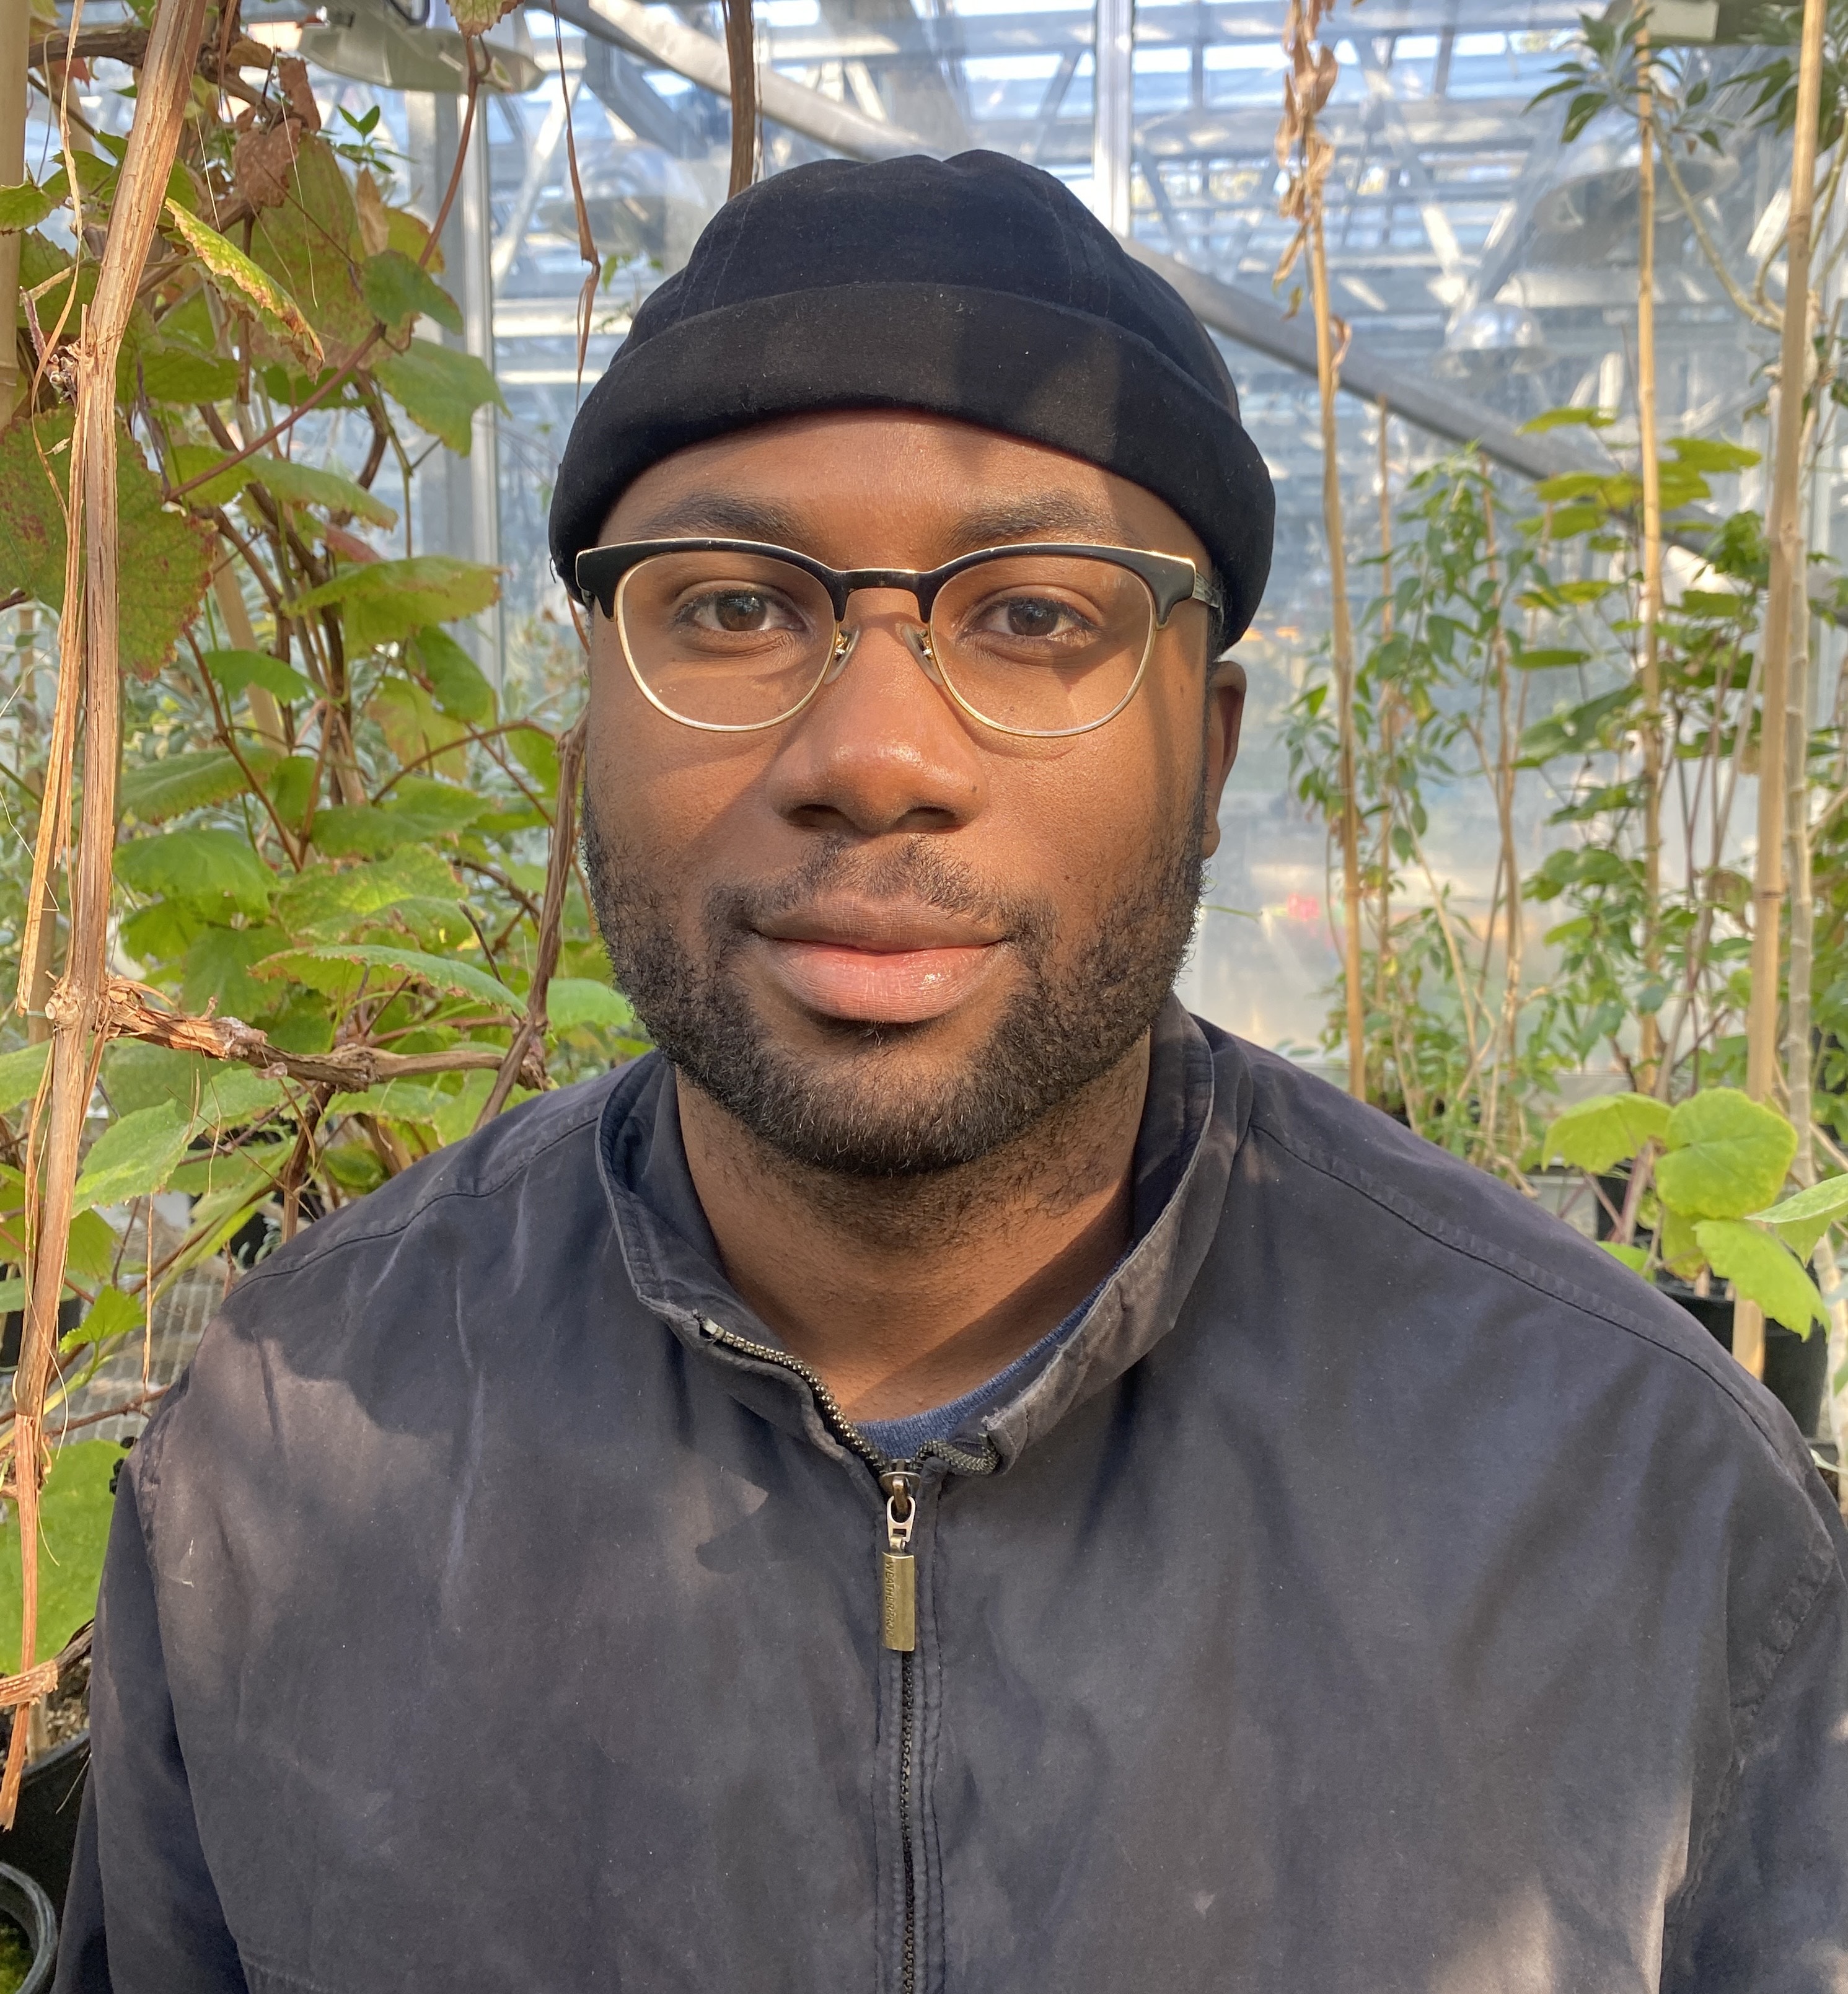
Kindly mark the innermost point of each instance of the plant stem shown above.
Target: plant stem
(90, 655)
(1388, 724)
(1342, 628)
(15, 30)
(1785, 534)
(1650, 1047)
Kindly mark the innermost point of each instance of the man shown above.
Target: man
(951, 1474)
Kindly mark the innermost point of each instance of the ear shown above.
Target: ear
(1225, 715)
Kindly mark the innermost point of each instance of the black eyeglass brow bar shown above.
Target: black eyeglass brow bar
(1170, 579)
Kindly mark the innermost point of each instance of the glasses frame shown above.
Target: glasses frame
(601, 573)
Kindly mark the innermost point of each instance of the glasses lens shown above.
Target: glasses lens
(1043, 644)
(725, 639)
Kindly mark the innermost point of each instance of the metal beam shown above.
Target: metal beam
(1243, 316)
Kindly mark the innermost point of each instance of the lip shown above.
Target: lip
(878, 965)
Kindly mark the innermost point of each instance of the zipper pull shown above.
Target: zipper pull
(898, 1576)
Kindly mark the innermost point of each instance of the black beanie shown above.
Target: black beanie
(975, 287)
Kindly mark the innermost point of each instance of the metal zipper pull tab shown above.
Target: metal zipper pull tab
(898, 1575)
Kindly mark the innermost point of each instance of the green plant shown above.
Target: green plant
(1700, 1193)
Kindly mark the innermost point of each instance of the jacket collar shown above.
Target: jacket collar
(1193, 1117)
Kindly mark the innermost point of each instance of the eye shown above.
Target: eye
(739, 611)
(1040, 618)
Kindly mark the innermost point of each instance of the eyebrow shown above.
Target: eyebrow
(727, 515)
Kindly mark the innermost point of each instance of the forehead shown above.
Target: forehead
(890, 487)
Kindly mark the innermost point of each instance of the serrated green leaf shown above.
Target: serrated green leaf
(243, 283)
(74, 1510)
(24, 206)
(386, 601)
(572, 1002)
(457, 683)
(1763, 1270)
(1679, 1248)
(324, 899)
(440, 389)
(154, 791)
(398, 292)
(1594, 1135)
(1801, 1219)
(203, 869)
(307, 484)
(172, 554)
(133, 1156)
(180, 374)
(420, 812)
(20, 1073)
(112, 1313)
(1727, 1155)
(234, 670)
(338, 969)
(90, 1248)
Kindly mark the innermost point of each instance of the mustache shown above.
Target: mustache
(915, 872)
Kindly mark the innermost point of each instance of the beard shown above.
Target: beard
(868, 1107)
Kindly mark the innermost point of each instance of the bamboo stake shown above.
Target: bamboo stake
(742, 60)
(1803, 891)
(1649, 1049)
(1388, 722)
(1785, 534)
(15, 32)
(89, 657)
(1342, 629)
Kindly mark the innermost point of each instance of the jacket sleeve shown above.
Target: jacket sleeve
(141, 1915)
(1767, 1906)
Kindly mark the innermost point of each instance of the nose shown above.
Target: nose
(880, 748)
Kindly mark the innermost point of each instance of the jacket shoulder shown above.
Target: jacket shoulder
(1425, 1203)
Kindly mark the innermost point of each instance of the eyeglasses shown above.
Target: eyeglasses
(1044, 639)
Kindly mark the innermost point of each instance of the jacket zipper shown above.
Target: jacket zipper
(898, 1482)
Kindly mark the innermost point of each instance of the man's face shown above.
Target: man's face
(885, 938)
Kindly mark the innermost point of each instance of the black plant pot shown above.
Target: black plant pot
(23, 1901)
(43, 1835)
(1796, 1367)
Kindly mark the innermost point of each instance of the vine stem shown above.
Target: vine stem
(89, 669)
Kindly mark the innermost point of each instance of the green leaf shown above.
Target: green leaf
(1559, 419)
(1541, 660)
(439, 389)
(1763, 1270)
(306, 484)
(1635, 1258)
(457, 683)
(397, 292)
(572, 1002)
(216, 964)
(1802, 1219)
(323, 900)
(74, 1510)
(1593, 1135)
(386, 601)
(234, 670)
(111, 1314)
(1679, 1248)
(244, 283)
(177, 784)
(537, 753)
(171, 562)
(421, 811)
(19, 1075)
(1713, 453)
(90, 1248)
(203, 869)
(338, 969)
(134, 1157)
(24, 206)
(1727, 1155)
(174, 373)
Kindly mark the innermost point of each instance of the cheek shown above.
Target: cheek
(668, 794)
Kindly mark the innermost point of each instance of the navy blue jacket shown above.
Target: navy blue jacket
(1383, 1593)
